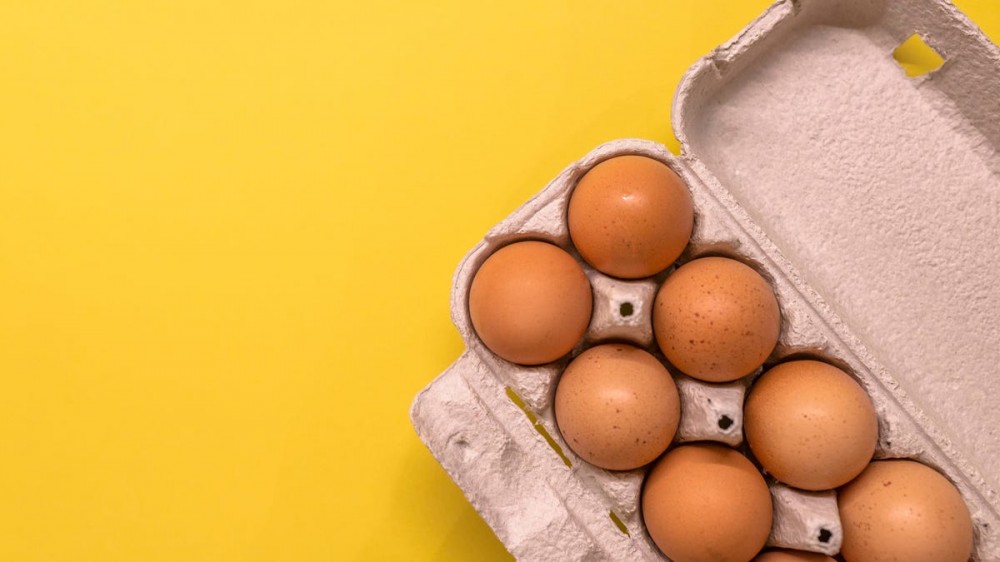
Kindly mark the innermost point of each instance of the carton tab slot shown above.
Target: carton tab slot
(916, 57)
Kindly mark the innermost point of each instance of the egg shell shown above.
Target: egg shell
(630, 216)
(811, 155)
(617, 407)
(706, 503)
(810, 424)
(792, 556)
(530, 302)
(904, 510)
(716, 319)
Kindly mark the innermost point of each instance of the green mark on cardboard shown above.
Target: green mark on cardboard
(537, 424)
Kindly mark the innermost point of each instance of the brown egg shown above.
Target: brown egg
(783, 555)
(706, 503)
(530, 302)
(904, 510)
(630, 216)
(716, 319)
(617, 407)
(810, 425)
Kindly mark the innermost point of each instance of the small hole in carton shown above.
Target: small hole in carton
(626, 309)
(725, 422)
(825, 535)
(618, 523)
(916, 57)
(537, 425)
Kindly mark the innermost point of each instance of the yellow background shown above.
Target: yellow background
(227, 235)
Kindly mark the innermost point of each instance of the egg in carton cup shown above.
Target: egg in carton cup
(868, 199)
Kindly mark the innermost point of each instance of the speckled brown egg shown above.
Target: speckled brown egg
(904, 510)
(530, 302)
(630, 216)
(716, 319)
(705, 502)
(810, 424)
(617, 407)
(784, 555)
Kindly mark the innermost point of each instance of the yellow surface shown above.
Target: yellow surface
(227, 234)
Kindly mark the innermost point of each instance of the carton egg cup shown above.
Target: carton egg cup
(870, 200)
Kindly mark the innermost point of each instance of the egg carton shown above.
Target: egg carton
(871, 202)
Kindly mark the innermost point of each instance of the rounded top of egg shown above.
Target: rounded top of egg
(783, 555)
(617, 407)
(705, 502)
(904, 510)
(530, 302)
(716, 319)
(810, 424)
(630, 216)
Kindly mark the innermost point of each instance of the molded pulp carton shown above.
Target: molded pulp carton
(869, 199)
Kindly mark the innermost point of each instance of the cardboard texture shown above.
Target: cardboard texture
(869, 199)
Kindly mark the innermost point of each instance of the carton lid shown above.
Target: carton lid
(881, 191)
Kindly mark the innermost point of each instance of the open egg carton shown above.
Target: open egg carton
(871, 202)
